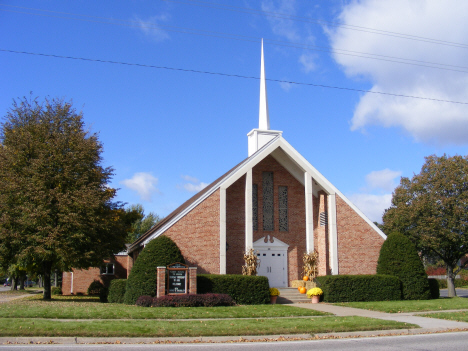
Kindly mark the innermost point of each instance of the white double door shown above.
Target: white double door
(273, 261)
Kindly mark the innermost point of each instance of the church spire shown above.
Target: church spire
(263, 118)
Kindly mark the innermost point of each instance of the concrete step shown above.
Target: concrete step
(291, 295)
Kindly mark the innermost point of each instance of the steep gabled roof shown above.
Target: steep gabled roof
(284, 153)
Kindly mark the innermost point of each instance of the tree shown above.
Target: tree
(399, 257)
(142, 224)
(57, 210)
(432, 210)
(161, 251)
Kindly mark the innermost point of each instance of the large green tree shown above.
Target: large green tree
(56, 208)
(432, 210)
(141, 225)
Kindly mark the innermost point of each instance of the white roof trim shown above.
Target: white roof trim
(251, 162)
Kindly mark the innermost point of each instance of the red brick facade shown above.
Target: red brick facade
(77, 281)
(358, 243)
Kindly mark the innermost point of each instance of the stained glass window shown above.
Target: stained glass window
(283, 208)
(268, 201)
(255, 206)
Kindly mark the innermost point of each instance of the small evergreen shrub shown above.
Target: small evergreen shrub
(144, 301)
(56, 290)
(161, 251)
(199, 300)
(347, 288)
(117, 291)
(95, 288)
(244, 289)
(103, 294)
(434, 288)
(399, 257)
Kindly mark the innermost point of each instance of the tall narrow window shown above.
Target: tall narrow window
(283, 208)
(268, 201)
(255, 206)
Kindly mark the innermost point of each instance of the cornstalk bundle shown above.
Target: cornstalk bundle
(251, 263)
(310, 261)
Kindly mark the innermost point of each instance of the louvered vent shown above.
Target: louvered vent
(323, 219)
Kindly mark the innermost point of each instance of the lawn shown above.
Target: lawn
(461, 316)
(85, 307)
(216, 327)
(455, 303)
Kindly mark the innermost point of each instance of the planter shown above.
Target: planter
(315, 298)
(273, 299)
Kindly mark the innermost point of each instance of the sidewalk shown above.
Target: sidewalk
(428, 324)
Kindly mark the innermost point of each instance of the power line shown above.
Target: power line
(233, 75)
(130, 23)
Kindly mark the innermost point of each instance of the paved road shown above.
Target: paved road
(460, 292)
(429, 342)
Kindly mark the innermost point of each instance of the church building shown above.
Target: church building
(277, 203)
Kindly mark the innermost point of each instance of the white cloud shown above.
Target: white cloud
(373, 206)
(376, 196)
(193, 185)
(427, 121)
(285, 86)
(151, 26)
(280, 25)
(143, 183)
(383, 180)
(307, 60)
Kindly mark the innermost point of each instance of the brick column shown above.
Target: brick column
(309, 209)
(248, 211)
(192, 280)
(161, 286)
(322, 239)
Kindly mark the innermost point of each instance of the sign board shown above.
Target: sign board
(177, 279)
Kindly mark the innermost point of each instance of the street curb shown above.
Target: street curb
(223, 339)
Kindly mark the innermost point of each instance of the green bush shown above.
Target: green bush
(95, 288)
(56, 290)
(244, 289)
(347, 288)
(161, 251)
(434, 288)
(398, 257)
(117, 291)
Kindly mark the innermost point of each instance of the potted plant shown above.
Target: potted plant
(314, 294)
(274, 293)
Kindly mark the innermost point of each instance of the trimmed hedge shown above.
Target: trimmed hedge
(199, 300)
(117, 290)
(347, 288)
(434, 288)
(399, 257)
(457, 282)
(244, 289)
(144, 301)
(161, 251)
(95, 288)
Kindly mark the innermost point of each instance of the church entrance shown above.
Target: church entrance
(273, 256)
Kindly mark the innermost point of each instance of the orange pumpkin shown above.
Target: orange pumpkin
(299, 288)
(305, 278)
(302, 290)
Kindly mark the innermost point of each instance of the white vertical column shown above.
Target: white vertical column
(248, 211)
(309, 212)
(332, 234)
(222, 230)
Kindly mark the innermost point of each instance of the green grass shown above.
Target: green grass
(453, 316)
(156, 328)
(85, 307)
(455, 303)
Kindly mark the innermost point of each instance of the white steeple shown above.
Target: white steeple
(263, 118)
(261, 136)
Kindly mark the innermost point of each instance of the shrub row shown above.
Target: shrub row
(96, 288)
(199, 300)
(434, 288)
(244, 289)
(347, 288)
(117, 290)
(458, 283)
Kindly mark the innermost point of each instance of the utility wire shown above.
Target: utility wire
(137, 24)
(233, 75)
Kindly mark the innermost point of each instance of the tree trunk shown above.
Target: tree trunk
(451, 281)
(21, 282)
(14, 283)
(47, 266)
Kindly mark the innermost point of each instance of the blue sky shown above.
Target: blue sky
(168, 133)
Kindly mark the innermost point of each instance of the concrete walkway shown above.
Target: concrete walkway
(429, 324)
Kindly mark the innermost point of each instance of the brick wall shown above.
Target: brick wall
(358, 243)
(83, 277)
(235, 217)
(197, 235)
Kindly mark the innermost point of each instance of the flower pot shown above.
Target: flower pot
(315, 298)
(273, 299)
